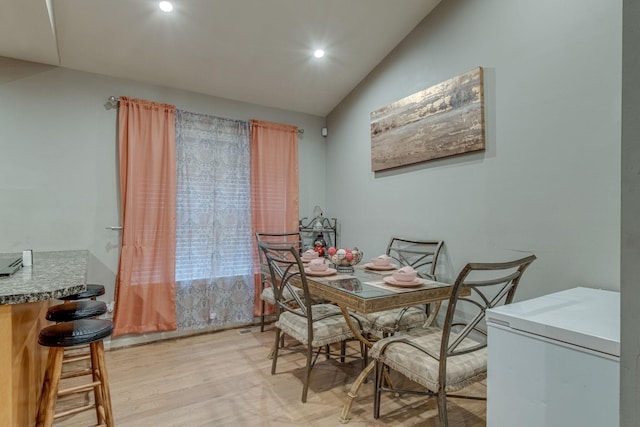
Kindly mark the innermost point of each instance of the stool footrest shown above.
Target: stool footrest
(76, 357)
(77, 347)
(76, 373)
(74, 411)
(79, 389)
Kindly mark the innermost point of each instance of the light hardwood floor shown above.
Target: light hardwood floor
(224, 379)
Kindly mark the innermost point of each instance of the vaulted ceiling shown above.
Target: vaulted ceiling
(256, 51)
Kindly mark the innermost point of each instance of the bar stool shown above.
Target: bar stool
(76, 358)
(76, 310)
(69, 334)
(92, 292)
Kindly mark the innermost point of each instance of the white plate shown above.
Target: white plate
(327, 272)
(389, 280)
(372, 266)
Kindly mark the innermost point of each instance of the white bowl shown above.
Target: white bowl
(405, 274)
(381, 261)
(309, 255)
(318, 265)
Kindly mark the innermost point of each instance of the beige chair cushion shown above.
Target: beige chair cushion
(268, 296)
(386, 322)
(462, 370)
(326, 331)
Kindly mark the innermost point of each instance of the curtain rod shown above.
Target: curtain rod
(112, 102)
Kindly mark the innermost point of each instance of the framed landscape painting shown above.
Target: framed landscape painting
(444, 120)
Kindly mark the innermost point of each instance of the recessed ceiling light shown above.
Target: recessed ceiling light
(319, 53)
(165, 6)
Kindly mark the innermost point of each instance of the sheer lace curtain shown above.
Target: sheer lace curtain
(214, 252)
(274, 185)
(145, 285)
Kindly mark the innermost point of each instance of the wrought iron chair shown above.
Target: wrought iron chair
(422, 255)
(313, 325)
(293, 238)
(447, 359)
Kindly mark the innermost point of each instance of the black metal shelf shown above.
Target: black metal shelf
(311, 228)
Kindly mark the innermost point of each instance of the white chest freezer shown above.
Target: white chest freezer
(554, 361)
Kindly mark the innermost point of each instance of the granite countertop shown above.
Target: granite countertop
(52, 275)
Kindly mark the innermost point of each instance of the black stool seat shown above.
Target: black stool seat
(92, 291)
(77, 332)
(76, 310)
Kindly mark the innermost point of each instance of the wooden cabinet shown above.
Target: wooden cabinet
(22, 360)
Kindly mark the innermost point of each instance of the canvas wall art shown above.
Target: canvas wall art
(444, 120)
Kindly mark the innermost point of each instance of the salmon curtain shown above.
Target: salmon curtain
(145, 285)
(274, 185)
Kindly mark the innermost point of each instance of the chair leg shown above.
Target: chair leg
(49, 394)
(276, 347)
(362, 355)
(106, 390)
(103, 393)
(364, 351)
(378, 384)
(442, 407)
(97, 389)
(307, 375)
(262, 307)
(343, 351)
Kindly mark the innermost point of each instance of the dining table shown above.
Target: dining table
(365, 290)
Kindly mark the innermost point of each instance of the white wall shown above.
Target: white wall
(549, 180)
(58, 170)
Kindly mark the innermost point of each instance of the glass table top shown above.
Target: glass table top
(369, 284)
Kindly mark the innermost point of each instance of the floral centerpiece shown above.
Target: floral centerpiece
(344, 258)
